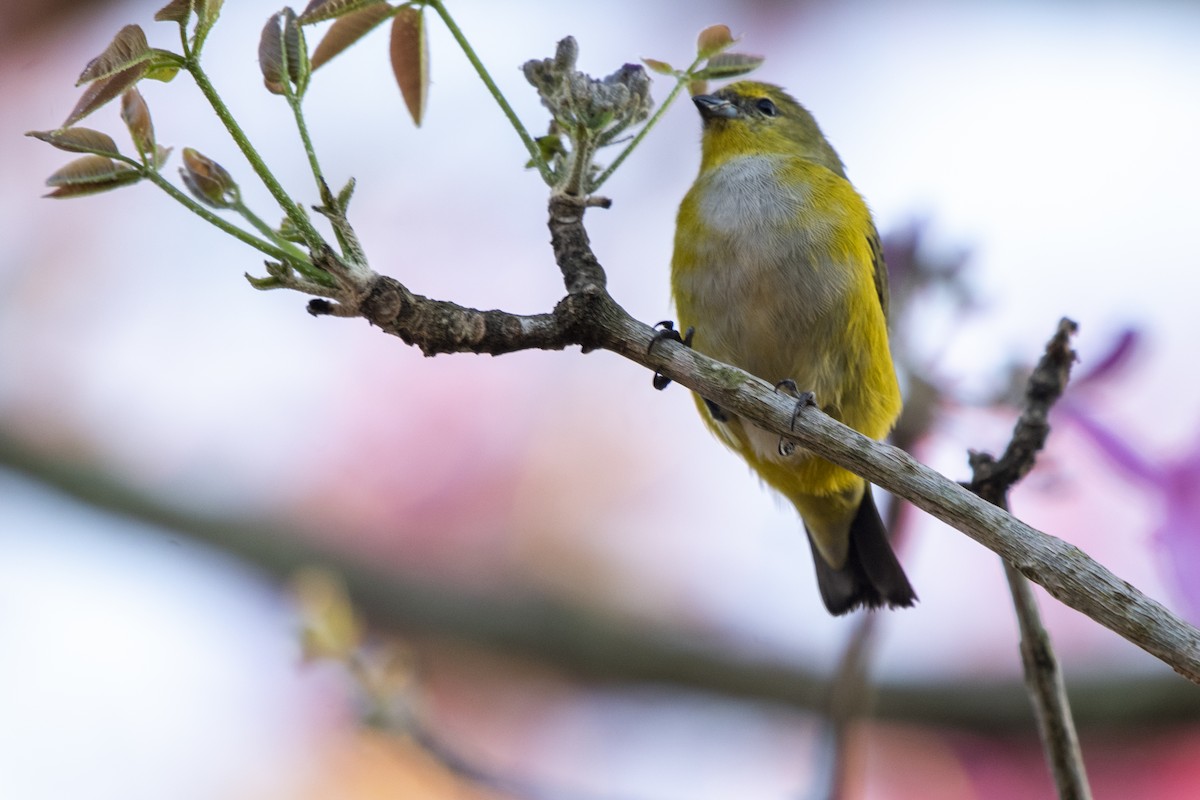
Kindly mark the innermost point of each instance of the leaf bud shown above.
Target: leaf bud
(208, 181)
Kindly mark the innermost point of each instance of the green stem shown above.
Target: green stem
(294, 102)
(309, 150)
(298, 259)
(225, 225)
(259, 225)
(624, 154)
(187, 48)
(297, 255)
(348, 245)
(534, 152)
(290, 208)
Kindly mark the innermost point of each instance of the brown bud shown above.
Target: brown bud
(208, 180)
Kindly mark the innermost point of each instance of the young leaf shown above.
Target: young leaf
(713, 40)
(347, 30)
(163, 66)
(89, 169)
(661, 67)
(103, 90)
(270, 282)
(410, 59)
(175, 11)
(729, 65)
(288, 231)
(551, 148)
(165, 73)
(282, 31)
(136, 115)
(127, 49)
(207, 12)
(123, 177)
(321, 10)
(78, 140)
(299, 67)
(343, 197)
(270, 54)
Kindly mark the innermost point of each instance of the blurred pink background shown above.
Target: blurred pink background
(1053, 143)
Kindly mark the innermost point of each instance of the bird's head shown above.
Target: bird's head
(751, 118)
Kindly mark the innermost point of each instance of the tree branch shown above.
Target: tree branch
(589, 317)
(993, 478)
(991, 481)
(440, 326)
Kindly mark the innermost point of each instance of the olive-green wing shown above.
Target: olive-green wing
(881, 274)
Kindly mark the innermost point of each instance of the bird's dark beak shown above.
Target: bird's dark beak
(713, 107)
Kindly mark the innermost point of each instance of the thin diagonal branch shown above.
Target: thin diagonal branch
(992, 480)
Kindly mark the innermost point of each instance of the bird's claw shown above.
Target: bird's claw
(662, 381)
(668, 332)
(788, 386)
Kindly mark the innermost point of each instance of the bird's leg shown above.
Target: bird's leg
(668, 332)
(788, 386)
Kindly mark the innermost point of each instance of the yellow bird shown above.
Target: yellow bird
(779, 271)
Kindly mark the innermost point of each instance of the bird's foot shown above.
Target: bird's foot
(788, 386)
(668, 332)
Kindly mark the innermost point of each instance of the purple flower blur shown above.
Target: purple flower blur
(1176, 481)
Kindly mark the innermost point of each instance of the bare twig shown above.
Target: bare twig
(994, 477)
(992, 480)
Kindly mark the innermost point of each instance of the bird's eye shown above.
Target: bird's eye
(766, 107)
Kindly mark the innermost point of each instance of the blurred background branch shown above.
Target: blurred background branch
(590, 645)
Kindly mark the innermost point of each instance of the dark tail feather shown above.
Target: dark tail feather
(871, 576)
